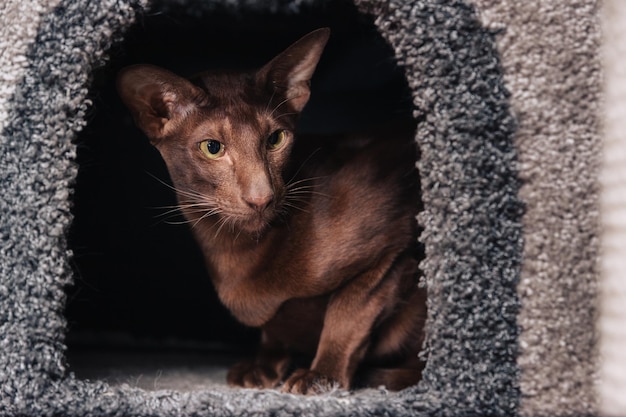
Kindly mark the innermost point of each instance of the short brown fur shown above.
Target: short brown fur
(314, 240)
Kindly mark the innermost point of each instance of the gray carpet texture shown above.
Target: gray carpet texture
(550, 54)
(507, 96)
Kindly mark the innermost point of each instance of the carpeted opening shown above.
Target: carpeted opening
(142, 310)
(127, 309)
(512, 224)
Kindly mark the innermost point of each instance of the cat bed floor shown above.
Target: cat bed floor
(153, 370)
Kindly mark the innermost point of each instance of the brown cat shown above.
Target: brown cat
(312, 239)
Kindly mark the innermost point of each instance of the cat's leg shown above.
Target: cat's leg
(266, 370)
(345, 338)
(393, 359)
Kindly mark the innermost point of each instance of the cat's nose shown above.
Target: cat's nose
(259, 202)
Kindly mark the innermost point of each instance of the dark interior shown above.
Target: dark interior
(140, 282)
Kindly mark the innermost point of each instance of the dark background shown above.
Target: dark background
(140, 280)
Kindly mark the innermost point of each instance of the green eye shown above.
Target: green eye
(212, 149)
(277, 139)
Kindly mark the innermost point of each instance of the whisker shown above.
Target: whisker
(169, 213)
(291, 184)
(194, 195)
(176, 223)
(237, 237)
(303, 164)
(173, 206)
(289, 204)
(278, 105)
(310, 192)
(222, 221)
(284, 114)
(188, 208)
(306, 190)
(283, 102)
(198, 203)
(205, 215)
(267, 106)
(197, 208)
(302, 187)
(296, 201)
(167, 218)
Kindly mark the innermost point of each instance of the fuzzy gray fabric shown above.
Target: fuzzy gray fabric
(550, 54)
(491, 349)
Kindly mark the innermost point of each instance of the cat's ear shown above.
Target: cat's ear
(158, 99)
(289, 73)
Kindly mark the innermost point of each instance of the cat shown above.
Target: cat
(311, 239)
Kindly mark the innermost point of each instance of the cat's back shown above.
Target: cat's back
(375, 167)
(362, 191)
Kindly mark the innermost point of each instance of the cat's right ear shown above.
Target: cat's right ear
(289, 73)
(159, 100)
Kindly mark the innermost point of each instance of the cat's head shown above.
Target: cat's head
(226, 137)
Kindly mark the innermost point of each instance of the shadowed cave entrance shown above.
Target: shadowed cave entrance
(143, 310)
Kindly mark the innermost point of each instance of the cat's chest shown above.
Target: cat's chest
(298, 323)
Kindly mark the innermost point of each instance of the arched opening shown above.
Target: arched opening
(143, 310)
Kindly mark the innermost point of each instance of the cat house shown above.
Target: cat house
(104, 309)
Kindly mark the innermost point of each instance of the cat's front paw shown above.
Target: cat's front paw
(250, 374)
(308, 382)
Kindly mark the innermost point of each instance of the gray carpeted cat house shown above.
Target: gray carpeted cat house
(102, 311)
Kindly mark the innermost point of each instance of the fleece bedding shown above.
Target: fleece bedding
(508, 100)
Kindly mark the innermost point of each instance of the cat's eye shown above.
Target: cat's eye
(277, 139)
(212, 149)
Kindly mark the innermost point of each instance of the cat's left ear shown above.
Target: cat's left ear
(158, 99)
(290, 72)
